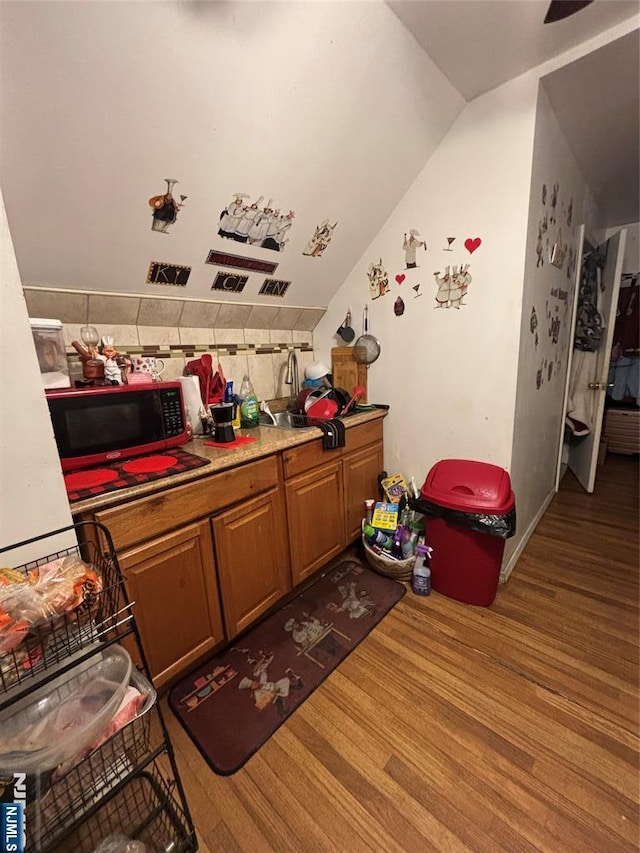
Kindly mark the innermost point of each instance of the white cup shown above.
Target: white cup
(148, 364)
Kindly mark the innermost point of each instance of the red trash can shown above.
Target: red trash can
(470, 511)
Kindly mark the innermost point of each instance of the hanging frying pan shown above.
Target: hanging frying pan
(367, 348)
(345, 331)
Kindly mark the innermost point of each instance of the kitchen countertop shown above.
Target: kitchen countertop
(269, 440)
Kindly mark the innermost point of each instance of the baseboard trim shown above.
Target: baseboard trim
(513, 559)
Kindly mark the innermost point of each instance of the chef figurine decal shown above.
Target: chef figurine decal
(116, 365)
(248, 223)
(409, 245)
(165, 208)
(320, 240)
(378, 279)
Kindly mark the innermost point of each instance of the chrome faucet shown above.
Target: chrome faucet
(291, 376)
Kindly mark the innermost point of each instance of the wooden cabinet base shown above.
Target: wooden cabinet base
(172, 582)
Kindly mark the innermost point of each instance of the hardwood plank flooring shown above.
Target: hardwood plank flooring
(457, 728)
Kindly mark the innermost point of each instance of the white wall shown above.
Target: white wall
(329, 108)
(450, 375)
(549, 292)
(33, 499)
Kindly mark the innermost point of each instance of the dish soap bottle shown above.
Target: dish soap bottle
(421, 579)
(249, 411)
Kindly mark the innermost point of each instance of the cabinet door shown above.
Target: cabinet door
(315, 511)
(172, 580)
(253, 559)
(361, 472)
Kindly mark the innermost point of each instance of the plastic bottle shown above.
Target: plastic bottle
(421, 579)
(249, 411)
(377, 537)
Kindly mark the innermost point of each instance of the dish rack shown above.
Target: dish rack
(128, 785)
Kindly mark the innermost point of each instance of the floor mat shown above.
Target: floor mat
(233, 703)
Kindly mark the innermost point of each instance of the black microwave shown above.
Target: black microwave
(96, 425)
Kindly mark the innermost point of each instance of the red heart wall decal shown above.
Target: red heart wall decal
(400, 278)
(471, 245)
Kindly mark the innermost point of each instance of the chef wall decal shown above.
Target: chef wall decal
(410, 245)
(452, 286)
(165, 208)
(378, 279)
(255, 224)
(320, 240)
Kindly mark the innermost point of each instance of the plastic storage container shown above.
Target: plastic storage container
(470, 511)
(58, 720)
(52, 356)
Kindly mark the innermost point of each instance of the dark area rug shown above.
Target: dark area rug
(233, 703)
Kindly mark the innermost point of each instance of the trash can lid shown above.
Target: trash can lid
(469, 486)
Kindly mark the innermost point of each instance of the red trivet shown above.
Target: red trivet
(230, 445)
(90, 478)
(149, 464)
(129, 472)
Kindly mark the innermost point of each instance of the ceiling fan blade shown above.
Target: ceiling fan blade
(559, 9)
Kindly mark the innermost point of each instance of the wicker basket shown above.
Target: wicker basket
(400, 570)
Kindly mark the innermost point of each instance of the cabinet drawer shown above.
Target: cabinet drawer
(303, 458)
(148, 517)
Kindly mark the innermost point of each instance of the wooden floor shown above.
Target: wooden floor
(460, 728)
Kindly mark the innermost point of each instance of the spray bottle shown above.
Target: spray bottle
(421, 579)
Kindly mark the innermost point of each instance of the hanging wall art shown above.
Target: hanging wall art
(320, 240)
(226, 259)
(274, 287)
(265, 227)
(172, 274)
(165, 208)
(229, 282)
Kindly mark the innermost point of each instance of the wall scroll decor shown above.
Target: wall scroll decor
(229, 282)
(378, 279)
(226, 259)
(320, 240)
(274, 287)
(258, 226)
(162, 273)
(165, 208)
(410, 245)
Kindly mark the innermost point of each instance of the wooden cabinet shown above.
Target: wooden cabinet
(360, 473)
(253, 560)
(231, 545)
(315, 517)
(172, 581)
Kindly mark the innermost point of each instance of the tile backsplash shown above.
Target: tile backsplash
(252, 339)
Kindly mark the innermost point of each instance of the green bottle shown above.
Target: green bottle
(249, 410)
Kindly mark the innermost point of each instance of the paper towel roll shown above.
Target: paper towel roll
(192, 402)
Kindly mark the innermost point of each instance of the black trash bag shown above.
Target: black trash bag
(503, 526)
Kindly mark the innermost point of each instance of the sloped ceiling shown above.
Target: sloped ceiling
(330, 109)
(480, 44)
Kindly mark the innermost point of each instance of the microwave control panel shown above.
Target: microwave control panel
(172, 414)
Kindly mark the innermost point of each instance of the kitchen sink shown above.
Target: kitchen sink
(284, 420)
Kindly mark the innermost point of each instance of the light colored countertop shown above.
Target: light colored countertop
(268, 441)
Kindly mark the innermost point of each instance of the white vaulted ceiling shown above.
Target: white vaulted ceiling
(480, 44)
